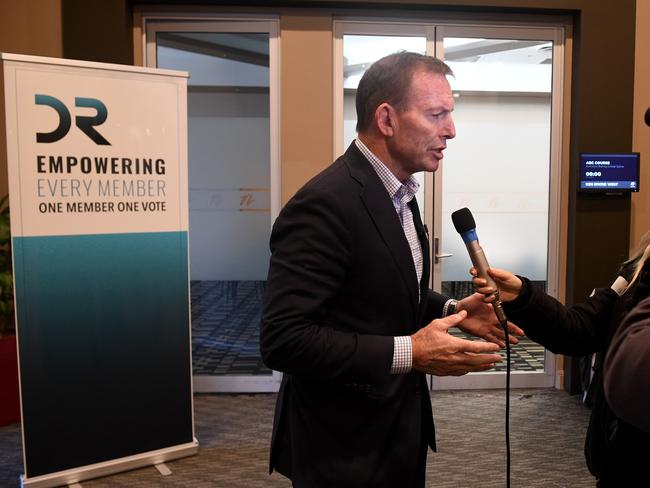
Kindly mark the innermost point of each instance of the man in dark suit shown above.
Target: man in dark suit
(348, 315)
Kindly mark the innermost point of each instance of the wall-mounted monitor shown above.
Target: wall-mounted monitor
(609, 172)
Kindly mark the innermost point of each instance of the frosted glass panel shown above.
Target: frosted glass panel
(229, 192)
(228, 125)
(229, 185)
(499, 163)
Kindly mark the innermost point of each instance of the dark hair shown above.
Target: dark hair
(389, 79)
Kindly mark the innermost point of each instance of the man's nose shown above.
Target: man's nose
(450, 130)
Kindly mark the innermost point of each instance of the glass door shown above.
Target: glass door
(503, 166)
(233, 187)
(503, 163)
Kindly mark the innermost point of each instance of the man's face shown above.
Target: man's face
(423, 125)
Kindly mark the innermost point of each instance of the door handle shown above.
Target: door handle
(437, 256)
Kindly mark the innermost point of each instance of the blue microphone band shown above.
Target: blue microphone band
(469, 236)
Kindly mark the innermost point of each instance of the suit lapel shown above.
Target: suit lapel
(382, 212)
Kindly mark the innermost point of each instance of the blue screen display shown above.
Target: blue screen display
(609, 172)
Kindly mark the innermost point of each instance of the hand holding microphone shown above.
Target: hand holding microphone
(509, 285)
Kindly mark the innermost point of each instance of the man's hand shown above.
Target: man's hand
(482, 322)
(509, 284)
(437, 352)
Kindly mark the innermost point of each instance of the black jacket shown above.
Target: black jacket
(627, 368)
(616, 452)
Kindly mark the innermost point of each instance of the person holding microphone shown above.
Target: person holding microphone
(616, 451)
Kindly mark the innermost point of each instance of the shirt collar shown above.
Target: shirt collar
(395, 188)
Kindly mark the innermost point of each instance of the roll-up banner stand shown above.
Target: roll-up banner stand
(97, 166)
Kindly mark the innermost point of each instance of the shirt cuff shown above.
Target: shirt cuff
(619, 285)
(402, 355)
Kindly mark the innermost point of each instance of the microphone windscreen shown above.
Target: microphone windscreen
(463, 220)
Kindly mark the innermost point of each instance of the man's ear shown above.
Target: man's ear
(385, 118)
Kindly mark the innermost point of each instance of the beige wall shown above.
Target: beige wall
(640, 214)
(306, 109)
(27, 27)
(31, 27)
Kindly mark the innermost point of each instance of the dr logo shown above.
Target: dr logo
(84, 122)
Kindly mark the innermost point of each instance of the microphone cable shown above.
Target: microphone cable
(504, 326)
(503, 322)
(466, 226)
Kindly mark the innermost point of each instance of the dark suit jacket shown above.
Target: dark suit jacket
(627, 368)
(341, 284)
(616, 452)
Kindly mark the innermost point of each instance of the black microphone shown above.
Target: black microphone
(466, 227)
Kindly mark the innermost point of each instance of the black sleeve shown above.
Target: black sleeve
(311, 253)
(434, 306)
(627, 368)
(577, 330)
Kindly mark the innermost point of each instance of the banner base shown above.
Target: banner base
(76, 475)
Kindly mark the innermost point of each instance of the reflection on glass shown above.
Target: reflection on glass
(229, 192)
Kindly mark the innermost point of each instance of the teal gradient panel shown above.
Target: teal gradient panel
(104, 341)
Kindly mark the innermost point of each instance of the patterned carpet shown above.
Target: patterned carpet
(225, 329)
(547, 434)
